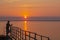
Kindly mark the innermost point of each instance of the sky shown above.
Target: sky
(30, 8)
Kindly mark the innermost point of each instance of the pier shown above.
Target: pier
(19, 34)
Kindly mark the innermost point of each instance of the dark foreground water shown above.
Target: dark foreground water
(46, 28)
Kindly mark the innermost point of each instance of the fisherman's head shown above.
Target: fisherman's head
(8, 21)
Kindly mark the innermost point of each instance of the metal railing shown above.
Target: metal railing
(19, 34)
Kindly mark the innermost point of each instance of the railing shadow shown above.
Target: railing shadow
(5, 37)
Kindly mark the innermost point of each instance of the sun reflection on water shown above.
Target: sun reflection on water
(25, 26)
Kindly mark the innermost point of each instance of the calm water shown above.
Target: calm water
(46, 28)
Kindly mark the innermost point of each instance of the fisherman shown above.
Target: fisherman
(8, 26)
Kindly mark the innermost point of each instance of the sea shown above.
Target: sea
(46, 28)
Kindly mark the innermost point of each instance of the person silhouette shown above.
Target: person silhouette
(7, 27)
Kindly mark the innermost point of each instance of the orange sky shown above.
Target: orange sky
(30, 7)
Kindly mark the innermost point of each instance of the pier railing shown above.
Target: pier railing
(19, 34)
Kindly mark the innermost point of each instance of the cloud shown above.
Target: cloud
(1, 1)
(8, 1)
(11, 0)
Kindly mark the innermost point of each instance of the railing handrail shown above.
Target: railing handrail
(19, 34)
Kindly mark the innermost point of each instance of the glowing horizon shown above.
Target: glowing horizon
(25, 11)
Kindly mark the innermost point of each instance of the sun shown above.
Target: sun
(25, 17)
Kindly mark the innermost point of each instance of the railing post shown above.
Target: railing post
(25, 35)
(16, 34)
(48, 38)
(41, 37)
(29, 35)
(20, 34)
(35, 36)
(11, 33)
